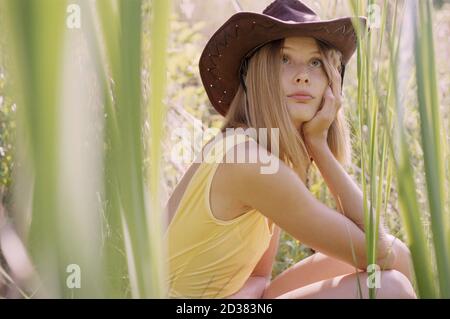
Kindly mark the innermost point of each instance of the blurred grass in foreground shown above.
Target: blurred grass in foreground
(100, 207)
(383, 85)
(107, 234)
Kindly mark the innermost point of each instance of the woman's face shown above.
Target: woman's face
(302, 71)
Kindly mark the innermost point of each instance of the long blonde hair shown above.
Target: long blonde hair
(266, 108)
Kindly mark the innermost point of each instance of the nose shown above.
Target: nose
(302, 77)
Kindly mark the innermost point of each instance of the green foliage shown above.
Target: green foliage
(7, 133)
(404, 176)
(7, 126)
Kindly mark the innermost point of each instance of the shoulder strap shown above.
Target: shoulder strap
(216, 150)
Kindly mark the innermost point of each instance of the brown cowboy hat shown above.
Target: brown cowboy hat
(245, 32)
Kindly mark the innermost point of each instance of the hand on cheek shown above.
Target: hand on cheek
(316, 129)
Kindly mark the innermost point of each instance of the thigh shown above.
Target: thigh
(393, 284)
(314, 268)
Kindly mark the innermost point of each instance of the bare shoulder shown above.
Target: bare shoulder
(280, 194)
(266, 184)
(263, 175)
(223, 200)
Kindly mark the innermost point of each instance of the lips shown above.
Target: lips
(301, 96)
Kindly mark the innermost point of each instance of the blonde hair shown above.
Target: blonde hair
(266, 108)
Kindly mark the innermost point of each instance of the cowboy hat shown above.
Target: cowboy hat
(243, 33)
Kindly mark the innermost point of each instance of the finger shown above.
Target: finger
(328, 109)
(336, 84)
(336, 88)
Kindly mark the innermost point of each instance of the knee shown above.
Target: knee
(394, 284)
(404, 249)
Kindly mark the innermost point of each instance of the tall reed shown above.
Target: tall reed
(91, 214)
(410, 27)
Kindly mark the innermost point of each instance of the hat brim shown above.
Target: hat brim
(244, 31)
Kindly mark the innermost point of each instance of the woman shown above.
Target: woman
(264, 71)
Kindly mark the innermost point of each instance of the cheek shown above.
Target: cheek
(284, 82)
(321, 84)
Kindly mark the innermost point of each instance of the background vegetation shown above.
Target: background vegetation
(87, 134)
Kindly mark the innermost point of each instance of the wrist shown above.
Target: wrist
(315, 146)
(316, 141)
(386, 251)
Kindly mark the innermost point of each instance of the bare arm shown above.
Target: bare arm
(253, 288)
(261, 276)
(265, 264)
(293, 208)
(347, 194)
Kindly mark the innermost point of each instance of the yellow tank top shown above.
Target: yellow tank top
(209, 257)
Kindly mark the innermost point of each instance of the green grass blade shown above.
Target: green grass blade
(39, 30)
(157, 110)
(431, 132)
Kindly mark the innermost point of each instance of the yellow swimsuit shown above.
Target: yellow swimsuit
(209, 257)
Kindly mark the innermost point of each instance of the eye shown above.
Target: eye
(317, 63)
(284, 57)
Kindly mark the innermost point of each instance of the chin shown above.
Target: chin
(300, 115)
(297, 121)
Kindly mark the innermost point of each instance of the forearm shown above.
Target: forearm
(349, 197)
(347, 194)
(403, 261)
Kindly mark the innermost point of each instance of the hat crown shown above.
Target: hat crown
(291, 10)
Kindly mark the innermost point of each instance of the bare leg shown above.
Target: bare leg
(319, 267)
(393, 284)
(307, 271)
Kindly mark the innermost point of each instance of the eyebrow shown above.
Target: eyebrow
(290, 48)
